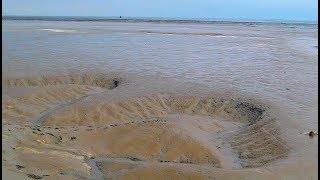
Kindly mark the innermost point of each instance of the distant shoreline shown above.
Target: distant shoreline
(155, 20)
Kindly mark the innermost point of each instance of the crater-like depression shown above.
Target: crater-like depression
(73, 114)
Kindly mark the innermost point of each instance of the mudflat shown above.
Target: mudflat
(114, 100)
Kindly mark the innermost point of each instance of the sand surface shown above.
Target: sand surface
(77, 126)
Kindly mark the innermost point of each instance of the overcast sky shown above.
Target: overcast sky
(221, 9)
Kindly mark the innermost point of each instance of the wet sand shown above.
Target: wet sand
(76, 126)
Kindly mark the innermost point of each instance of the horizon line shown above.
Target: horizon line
(123, 18)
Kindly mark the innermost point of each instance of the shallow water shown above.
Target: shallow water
(277, 63)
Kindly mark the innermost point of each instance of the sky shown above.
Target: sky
(299, 10)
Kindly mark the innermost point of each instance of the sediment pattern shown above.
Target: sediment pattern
(259, 144)
(60, 121)
(83, 113)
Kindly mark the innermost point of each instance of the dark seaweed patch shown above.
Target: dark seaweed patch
(253, 112)
(19, 167)
(33, 176)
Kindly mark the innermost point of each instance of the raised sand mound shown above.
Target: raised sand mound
(39, 94)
